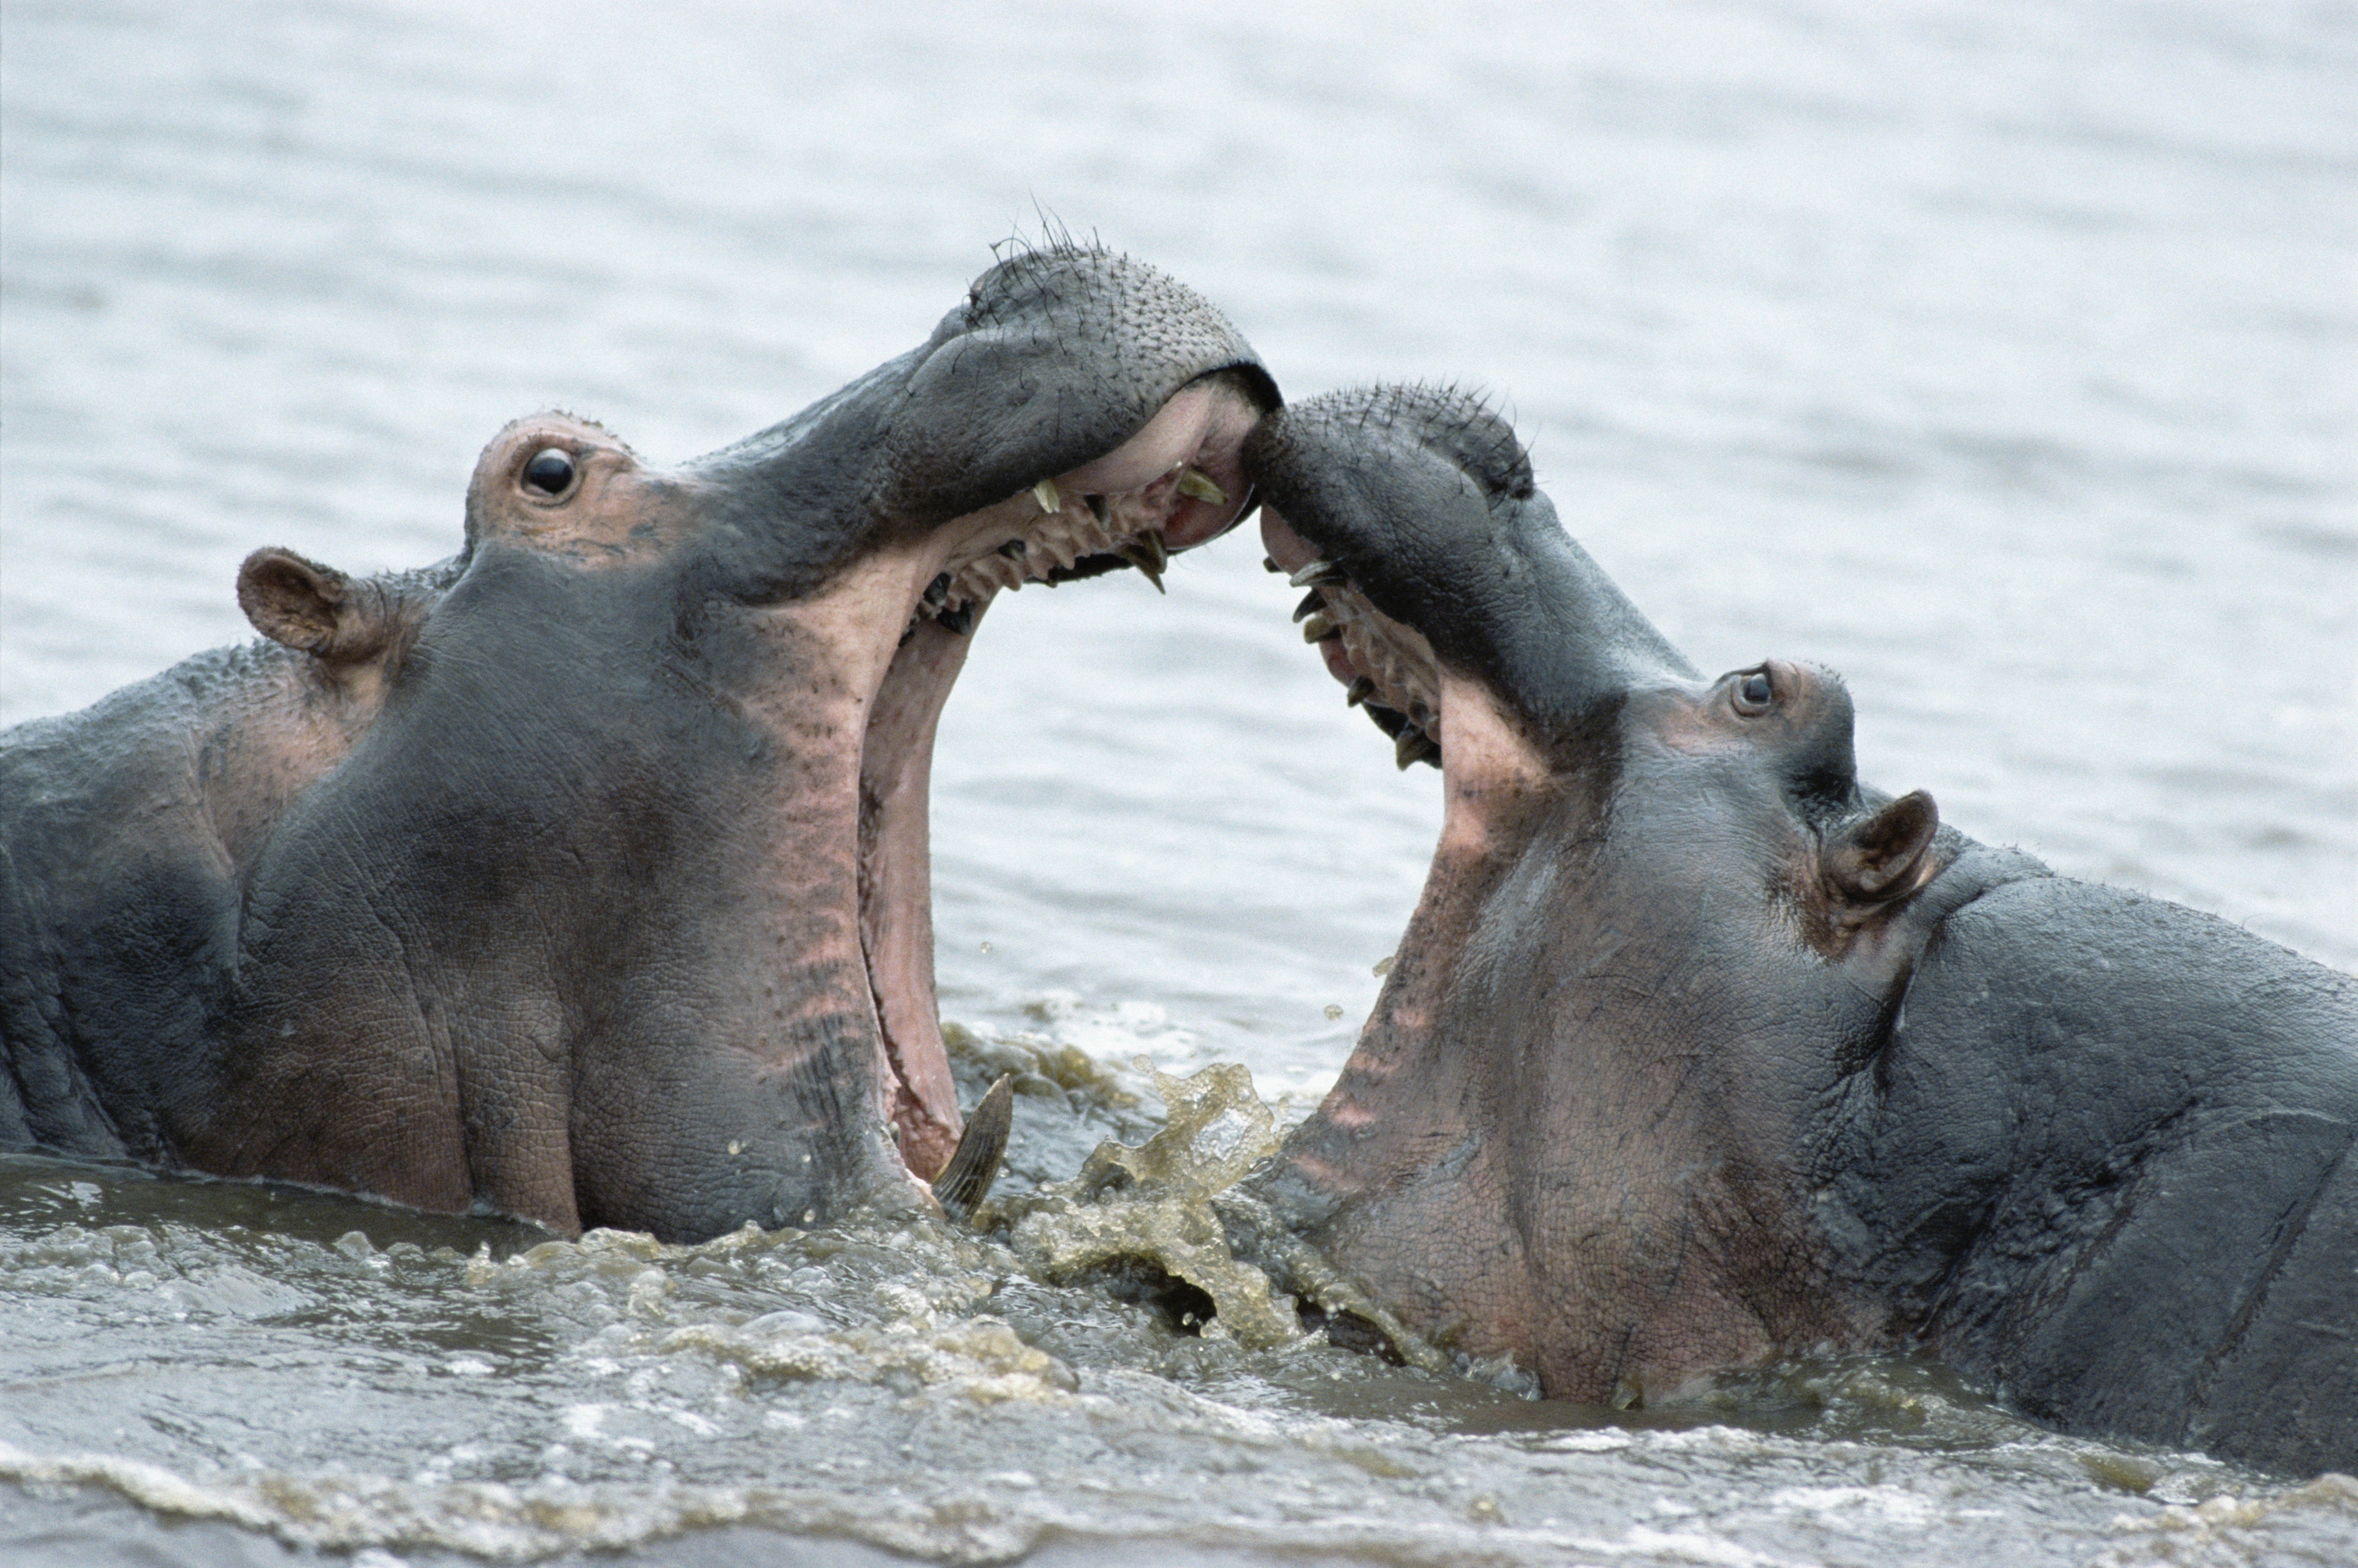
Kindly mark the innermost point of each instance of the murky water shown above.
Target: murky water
(2004, 357)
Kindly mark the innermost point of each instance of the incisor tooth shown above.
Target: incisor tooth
(1317, 573)
(1317, 629)
(1044, 493)
(1361, 689)
(1413, 746)
(1201, 486)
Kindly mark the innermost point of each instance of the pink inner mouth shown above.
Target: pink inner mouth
(1176, 483)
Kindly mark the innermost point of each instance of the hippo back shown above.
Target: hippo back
(122, 832)
(2106, 1169)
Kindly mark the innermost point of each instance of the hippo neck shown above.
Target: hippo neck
(716, 843)
(1537, 1017)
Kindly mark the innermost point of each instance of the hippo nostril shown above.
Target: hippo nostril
(551, 471)
(1753, 692)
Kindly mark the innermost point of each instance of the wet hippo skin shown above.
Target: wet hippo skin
(1698, 1052)
(583, 875)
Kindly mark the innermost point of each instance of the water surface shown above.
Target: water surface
(2000, 356)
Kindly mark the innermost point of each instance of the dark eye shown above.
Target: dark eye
(551, 471)
(1753, 692)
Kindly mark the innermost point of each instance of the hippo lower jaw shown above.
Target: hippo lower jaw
(1176, 484)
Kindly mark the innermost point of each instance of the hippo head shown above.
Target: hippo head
(617, 911)
(1658, 928)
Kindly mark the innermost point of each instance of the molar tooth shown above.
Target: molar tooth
(1361, 689)
(1317, 629)
(938, 590)
(1199, 484)
(1147, 554)
(1317, 573)
(1413, 746)
(1044, 493)
(1013, 549)
(1312, 600)
(1101, 509)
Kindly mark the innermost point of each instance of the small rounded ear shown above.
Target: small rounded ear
(1877, 858)
(310, 608)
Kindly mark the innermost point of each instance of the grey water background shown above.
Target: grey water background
(2004, 357)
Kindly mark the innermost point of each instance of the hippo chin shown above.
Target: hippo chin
(1697, 1052)
(584, 877)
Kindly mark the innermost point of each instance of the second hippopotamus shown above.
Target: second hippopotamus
(1698, 1050)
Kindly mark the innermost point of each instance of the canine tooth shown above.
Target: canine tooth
(1199, 484)
(1147, 554)
(1317, 573)
(965, 1181)
(1312, 600)
(1317, 629)
(1013, 549)
(1044, 493)
(1413, 746)
(1101, 509)
(1361, 689)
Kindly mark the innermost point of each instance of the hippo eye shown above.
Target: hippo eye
(551, 471)
(1753, 692)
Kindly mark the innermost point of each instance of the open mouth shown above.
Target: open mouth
(1174, 484)
(1386, 667)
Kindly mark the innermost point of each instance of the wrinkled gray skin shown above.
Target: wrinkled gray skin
(1698, 1052)
(583, 877)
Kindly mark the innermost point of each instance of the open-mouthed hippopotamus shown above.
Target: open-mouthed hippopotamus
(584, 877)
(1697, 1050)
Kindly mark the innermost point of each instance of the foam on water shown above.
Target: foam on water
(950, 1395)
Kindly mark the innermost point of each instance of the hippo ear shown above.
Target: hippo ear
(312, 609)
(1877, 858)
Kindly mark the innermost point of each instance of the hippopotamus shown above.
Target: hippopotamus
(1699, 1051)
(583, 878)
